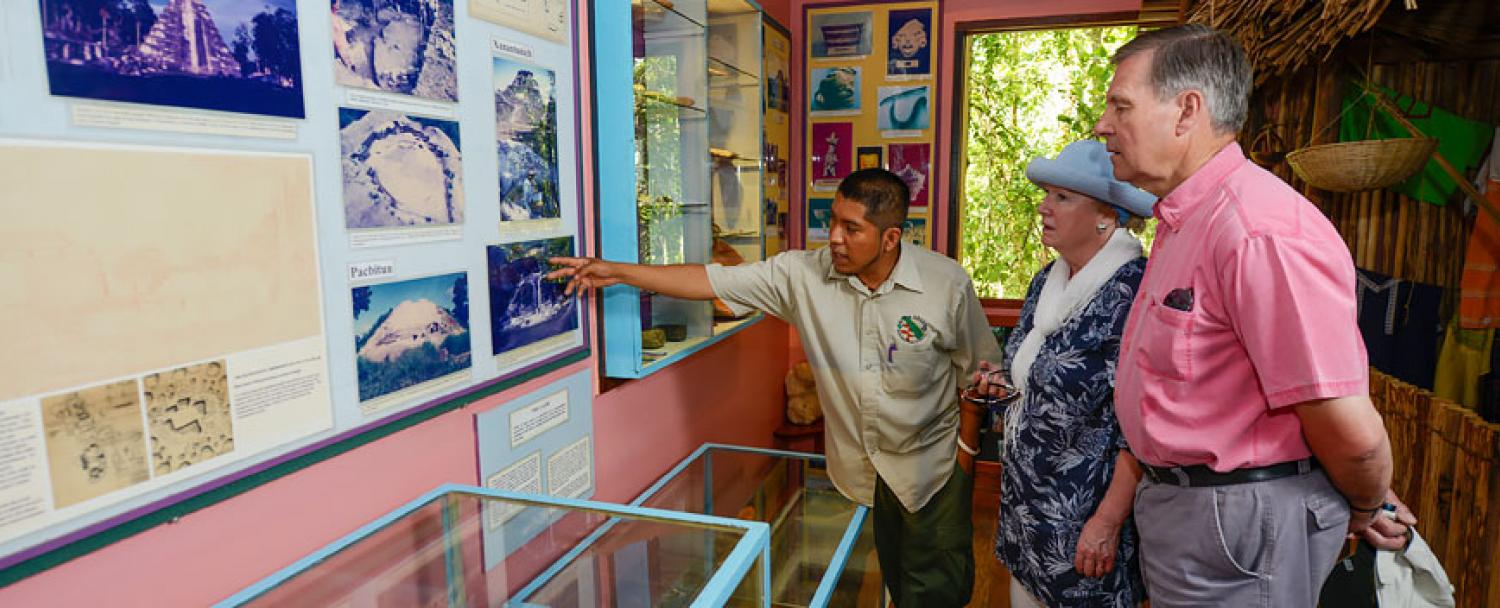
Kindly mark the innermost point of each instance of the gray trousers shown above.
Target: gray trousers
(1270, 543)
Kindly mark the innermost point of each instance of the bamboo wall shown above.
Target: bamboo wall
(1447, 460)
(1386, 232)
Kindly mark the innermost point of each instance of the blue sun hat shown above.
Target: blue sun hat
(1083, 166)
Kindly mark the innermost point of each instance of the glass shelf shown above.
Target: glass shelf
(461, 545)
(693, 73)
(690, 109)
(723, 69)
(656, 10)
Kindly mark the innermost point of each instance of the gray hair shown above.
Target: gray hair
(1197, 57)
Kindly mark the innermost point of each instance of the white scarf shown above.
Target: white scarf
(1062, 297)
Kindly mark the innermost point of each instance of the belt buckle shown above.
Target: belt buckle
(1176, 476)
(1182, 477)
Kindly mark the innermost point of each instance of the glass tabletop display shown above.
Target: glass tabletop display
(822, 544)
(469, 546)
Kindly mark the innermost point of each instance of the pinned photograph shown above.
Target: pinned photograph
(819, 218)
(912, 163)
(904, 109)
(546, 19)
(778, 80)
(400, 170)
(524, 307)
(832, 153)
(835, 90)
(914, 231)
(188, 414)
(869, 157)
(222, 55)
(526, 135)
(410, 332)
(841, 35)
(95, 441)
(396, 46)
(910, 50)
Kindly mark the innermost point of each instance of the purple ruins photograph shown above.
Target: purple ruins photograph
(226, 55)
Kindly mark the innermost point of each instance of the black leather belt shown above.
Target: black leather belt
(1199, 475)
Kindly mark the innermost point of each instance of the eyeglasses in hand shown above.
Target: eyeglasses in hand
(996, 380)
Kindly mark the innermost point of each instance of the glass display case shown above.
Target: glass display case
(469, 546)
(822, 544)
(679, 167)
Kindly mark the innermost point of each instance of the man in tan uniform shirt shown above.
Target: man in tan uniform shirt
(890, 331)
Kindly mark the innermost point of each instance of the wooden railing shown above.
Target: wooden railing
(1448, 471)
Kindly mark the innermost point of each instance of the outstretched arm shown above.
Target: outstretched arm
(686, 281)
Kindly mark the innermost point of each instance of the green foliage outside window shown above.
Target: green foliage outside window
(1030, 94)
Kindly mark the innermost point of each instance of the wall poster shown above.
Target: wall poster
(778, 135)
(834, 91)
(184, 53)
(832, 154)
(909, 54)
(251, 231)
(913, 164)
(842, 34)
(405, 48)
(539, 443)
(871, 102)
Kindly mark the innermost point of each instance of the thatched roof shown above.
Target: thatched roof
(1283, 36)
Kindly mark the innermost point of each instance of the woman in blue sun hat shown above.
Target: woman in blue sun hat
(1067, 481)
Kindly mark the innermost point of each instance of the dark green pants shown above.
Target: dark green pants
(927, 557)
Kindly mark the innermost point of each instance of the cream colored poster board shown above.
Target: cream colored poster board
(164, 325)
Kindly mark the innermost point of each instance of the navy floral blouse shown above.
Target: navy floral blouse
(1059, 450)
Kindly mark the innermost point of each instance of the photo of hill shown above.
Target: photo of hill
(410, 332)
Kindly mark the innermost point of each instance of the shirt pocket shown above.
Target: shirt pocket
(1166, 341)
(909, 410)
(911, 370)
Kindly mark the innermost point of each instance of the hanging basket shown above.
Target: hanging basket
(1361, 165)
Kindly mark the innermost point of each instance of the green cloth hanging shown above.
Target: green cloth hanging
(1460, 140)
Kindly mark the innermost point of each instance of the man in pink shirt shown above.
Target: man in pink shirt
(1242, 385)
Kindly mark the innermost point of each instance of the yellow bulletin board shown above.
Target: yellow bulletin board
(871, 101)
(778, 132)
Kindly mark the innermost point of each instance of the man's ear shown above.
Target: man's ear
(890, 239)
(1191, 111)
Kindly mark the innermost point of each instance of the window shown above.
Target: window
(1025, 94)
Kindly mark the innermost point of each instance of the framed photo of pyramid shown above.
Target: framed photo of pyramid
(225, 55)
(409, 335)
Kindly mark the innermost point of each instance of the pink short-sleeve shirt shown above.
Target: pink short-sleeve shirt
(1247, 307)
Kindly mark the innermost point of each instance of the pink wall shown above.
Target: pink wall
(780, 10)
(730, 392)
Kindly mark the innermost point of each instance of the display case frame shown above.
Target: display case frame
(752, 549)
(836, 579)
(624, 309)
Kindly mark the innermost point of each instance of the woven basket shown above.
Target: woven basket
(1361, 165)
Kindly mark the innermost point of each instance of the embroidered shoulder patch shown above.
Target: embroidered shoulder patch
(912, 329)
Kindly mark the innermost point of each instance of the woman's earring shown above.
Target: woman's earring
(1102, 226)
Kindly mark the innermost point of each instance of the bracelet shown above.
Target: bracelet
(965, 447)
(1370, 510)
